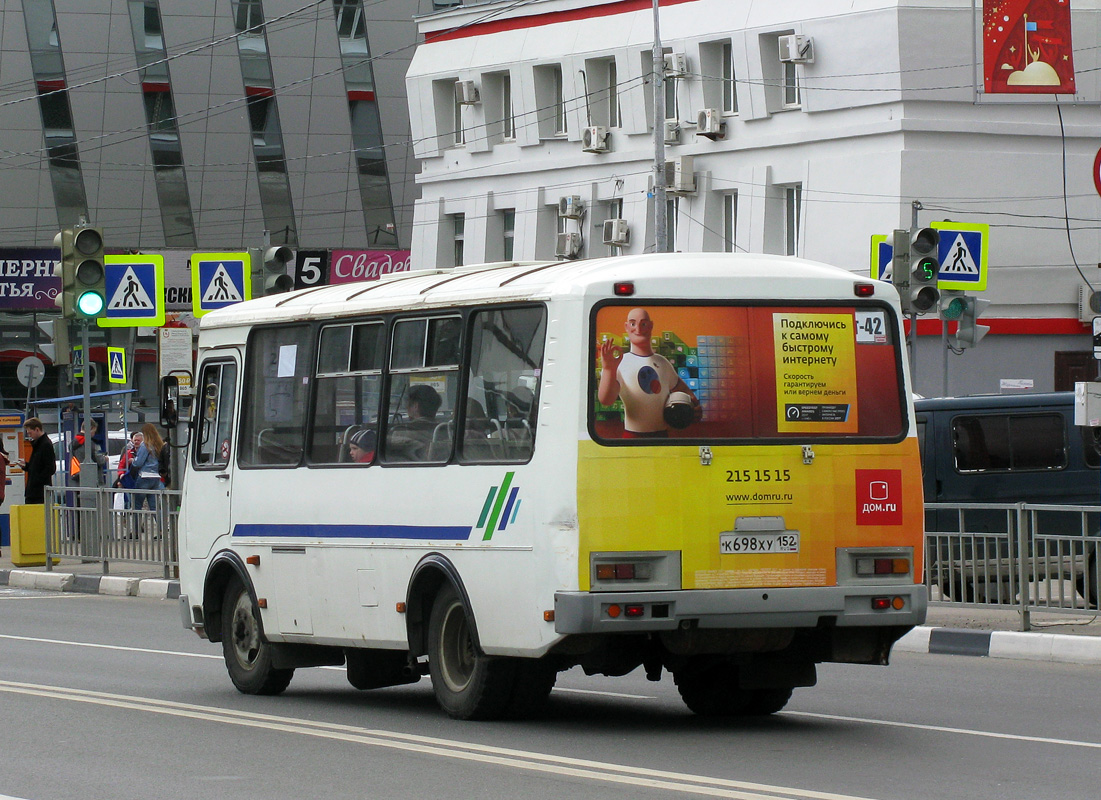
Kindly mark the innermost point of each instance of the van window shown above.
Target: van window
(1090, 444)
(1009, 442)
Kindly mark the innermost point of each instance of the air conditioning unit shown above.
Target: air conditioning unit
(672, 131)
(617, 232)
(679, 177)
(570, 207)
(568, 245)
(709, 123)
(466, 93)
(797, 49)
(595, 139)
(1089, 304)
(676, 65)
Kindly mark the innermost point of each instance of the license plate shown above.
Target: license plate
(786, 542)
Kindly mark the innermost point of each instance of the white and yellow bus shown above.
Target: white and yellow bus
(700, 463)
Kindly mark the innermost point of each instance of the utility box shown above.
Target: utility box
(1087, 404)
(28, 536)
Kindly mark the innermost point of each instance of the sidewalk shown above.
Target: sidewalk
(70, 575)
(950, 630)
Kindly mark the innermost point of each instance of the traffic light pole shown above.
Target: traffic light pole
(88, 476)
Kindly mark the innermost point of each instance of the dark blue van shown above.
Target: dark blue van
(1004, 449)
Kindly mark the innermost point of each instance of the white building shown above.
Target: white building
(514, 107)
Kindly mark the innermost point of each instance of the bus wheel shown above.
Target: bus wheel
(468, 684)
(711, 690)
(762, 702)
(247, 654)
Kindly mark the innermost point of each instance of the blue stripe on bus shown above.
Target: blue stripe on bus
(259, 530)
(508, 507)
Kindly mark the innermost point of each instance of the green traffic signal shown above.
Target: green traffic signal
(89, 286)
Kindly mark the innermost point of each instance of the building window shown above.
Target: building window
(457, 122)
(672, 109)
(458, 231)
(793, 201)
(349, 19)
(249, 16)
(791, 85)
(730, 222)
(614, 115)
(550, 101)
(508, 232)
(508, 114)
(729, 82)
(672, 208)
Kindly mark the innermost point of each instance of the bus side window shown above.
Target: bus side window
(219, 387)
(346, 403)
(506, 364)
(424, 386)
(278, 370)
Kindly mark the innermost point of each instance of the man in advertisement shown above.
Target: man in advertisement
(654, 396)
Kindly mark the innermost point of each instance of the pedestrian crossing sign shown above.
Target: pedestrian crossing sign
(219, 280)
(135, 291)
(963, 255)
(116, 365)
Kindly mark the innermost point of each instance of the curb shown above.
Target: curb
(114, 585)
(1002, 644)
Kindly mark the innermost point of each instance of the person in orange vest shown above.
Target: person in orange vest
(98, 455)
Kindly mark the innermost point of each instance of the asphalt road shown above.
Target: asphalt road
(106, 697)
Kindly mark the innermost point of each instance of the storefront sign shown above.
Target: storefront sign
(348, 266)
(27, 281)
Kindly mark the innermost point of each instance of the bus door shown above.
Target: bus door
(211, 478)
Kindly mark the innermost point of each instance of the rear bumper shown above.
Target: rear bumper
(843, 606)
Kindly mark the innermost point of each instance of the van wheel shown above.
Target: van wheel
(957, 590)
(247, 653)
(467, 683)
(1087, 582)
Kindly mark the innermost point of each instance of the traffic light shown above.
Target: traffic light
(924, 268)
(83, 281)
(900, 267)
(276, 279)
(952, 304)
(970, 333)
(66, 270)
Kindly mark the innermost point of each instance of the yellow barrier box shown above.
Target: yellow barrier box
(28, 536)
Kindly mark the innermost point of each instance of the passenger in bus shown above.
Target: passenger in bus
(642, 378)
(411, 441)
(361, 447)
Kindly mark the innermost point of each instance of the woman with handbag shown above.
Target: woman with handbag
(146, 464)
(125, 480)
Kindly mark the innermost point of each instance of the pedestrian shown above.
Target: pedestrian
(40, 467)
(98, 456)
(124, 480)
(146, 465)
(4, 461)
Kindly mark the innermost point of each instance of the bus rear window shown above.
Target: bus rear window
(729, 372)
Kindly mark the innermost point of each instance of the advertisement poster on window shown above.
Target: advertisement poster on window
(744, 372)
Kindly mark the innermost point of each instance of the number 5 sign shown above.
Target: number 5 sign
(311, 268)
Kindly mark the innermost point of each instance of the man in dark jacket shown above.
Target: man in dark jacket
(41, 466)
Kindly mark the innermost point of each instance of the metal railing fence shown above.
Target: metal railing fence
(104, 525)
(1020, 555)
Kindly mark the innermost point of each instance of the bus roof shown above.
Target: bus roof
(728, 275)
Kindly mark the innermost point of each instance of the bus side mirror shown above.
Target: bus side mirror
(170, 401)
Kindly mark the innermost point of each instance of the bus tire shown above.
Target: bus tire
(762, 702)
(532, 685)
(711, 689)
(467, 683)
(248, 655)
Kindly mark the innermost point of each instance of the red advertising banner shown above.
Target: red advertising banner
(1027, 47)
(348, 266)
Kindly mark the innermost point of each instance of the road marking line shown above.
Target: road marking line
(943, 729)
(505, 757)
(93, 645)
